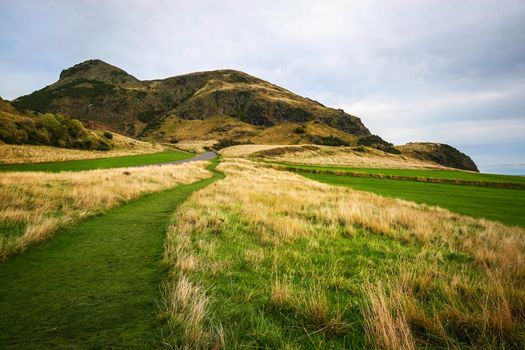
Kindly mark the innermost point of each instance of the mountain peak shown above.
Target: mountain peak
(95, 69)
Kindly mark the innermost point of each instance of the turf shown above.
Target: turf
(421, 173)
(241, 293)
(100, 163)
(505, 205)
(92, 286)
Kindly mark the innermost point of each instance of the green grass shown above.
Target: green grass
(241, 293)
(92, 286)
(501, 204)
(418, 173)
(101, 163)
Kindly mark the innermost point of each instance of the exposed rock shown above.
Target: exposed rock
(439, 153)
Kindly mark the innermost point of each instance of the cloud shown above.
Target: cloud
(411, 69)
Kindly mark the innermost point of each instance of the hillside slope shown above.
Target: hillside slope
(438, 153)
(48, 129)
(253, 109)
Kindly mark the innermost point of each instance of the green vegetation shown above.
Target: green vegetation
(327, 140)
(377, 142)
(79, 88)
(266, 259)
(93, 286)
(101, 163)
(49, 130)
(411, 174)
(501, 204)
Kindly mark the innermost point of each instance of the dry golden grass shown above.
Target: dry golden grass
(244, 151)
(39, 203)
(476, 299)
(356, 157)
(195, 146)
(123, 146)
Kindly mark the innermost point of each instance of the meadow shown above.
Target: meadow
(270, 259)
(94, 285)
(411, 174)
(356, 157)
(34, 205)
(120, 146)
(501, 204)
(263, 258)
(101, 163)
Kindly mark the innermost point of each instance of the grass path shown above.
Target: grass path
(101, 163)
(93, 286)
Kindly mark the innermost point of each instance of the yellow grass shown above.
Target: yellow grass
(195, 146)
(43, 202)
(281, 207)
(355, 157)
(123, 146)
(243, 151)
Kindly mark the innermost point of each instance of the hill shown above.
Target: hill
(438, 153)
(221, 104)
(221, 108)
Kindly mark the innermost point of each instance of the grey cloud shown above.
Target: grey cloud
(411, 69)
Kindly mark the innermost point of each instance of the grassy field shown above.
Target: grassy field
(505, 205)
(356, 157)
(120, 146)
(418, 173)
(94, 285)
(34, 205)
(100, 163)
(270, 259)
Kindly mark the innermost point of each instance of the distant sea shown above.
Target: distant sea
(505, 169)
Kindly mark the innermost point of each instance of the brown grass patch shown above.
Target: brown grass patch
(123, 146)
(43, 202)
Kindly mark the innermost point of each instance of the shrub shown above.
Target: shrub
(328, 141)
(299, 130)
(108, 135)
(49, 130)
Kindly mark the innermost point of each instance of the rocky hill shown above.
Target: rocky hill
(438, 153)
(225, 104)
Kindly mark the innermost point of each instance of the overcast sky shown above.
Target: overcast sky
(444, 71)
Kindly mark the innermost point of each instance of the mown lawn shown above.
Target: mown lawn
(93, 286)
(101, 163)
(501, 204)
(421, 173)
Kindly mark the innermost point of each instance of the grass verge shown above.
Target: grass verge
(94, 285)
(101, 163)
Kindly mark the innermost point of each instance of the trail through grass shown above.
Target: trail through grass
(93, 286)
(505, 205)
(101, 163)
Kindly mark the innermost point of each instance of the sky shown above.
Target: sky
(440, 71)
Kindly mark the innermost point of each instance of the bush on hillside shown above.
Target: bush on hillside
(49, 130)
(328, 140)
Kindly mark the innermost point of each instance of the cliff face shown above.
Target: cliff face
(99, 92)
(439, 153)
